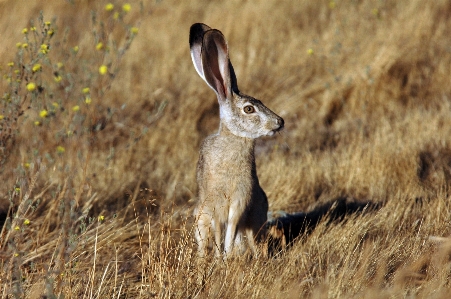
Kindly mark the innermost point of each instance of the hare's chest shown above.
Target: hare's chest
(228, 179)
(227, 166)
(231, 155)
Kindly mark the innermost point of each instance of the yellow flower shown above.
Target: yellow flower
(18, 45)
(310, 51)
(24, 45)
(43, 113)
(60, 149)
(101, 217)
(48, 23)
(16, 227)
(76, 108)
(33, 28)
(134, 30)
(109, 7)
(16, 72)
(103, 69)
(99, 46)
(36, 67)
(26, 165)
(1, 117)
(17, 189)
(11, 64)
(59, 65)
(55, 104)
(126, 7)
(37, 123)
(88, 100)
(25, 31)
(26, 222)
(44, 49)
(116, 15)
(50, 32)
(75, 49)
(332, 4)
(16, 254)
(86, 90)
(58, 78)
(69, 133)
(31, 86)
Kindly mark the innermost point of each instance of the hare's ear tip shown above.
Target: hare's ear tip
(196, 32)
(198, 25)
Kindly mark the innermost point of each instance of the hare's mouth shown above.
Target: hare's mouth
(273, 132)
(277, 130)
(274, 129)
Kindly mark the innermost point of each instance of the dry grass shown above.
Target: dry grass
(363, 86)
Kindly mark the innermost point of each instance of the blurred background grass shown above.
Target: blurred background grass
(363, 86)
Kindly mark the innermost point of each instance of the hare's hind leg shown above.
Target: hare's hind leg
(217, 241)
(202, 232)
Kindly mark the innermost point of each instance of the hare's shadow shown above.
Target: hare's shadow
(284, 228)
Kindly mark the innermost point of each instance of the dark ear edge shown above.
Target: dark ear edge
(196, 36)
(233, 80)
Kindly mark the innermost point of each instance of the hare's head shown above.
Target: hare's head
(243, 115)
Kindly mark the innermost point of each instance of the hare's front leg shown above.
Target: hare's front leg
(231, 230)
(257, 241)
(230, 237)
(239, 245)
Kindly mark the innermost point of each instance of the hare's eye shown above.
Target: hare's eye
(249, 109)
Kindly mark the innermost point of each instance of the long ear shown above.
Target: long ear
(196, 35)
(216, 64)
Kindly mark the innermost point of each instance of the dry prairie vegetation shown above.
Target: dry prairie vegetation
(97, 200)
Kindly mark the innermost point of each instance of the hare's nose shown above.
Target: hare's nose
(280, 123)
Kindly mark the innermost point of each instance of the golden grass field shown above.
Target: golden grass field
(98, 187)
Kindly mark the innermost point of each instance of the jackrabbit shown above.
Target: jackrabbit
(229, 192)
